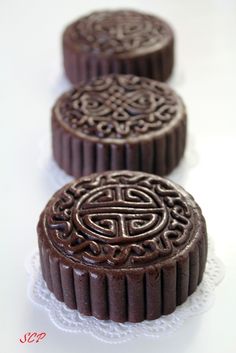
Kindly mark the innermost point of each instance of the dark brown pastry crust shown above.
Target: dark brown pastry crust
(125, 246)
(125, 42)
(119, 122)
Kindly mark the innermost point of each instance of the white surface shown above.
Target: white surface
(32, 77)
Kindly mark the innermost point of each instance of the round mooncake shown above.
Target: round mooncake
(125, 42)
(125, 246)
(119, 122)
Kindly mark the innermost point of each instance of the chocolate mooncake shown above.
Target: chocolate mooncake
(125, 42)
(125, 246)
(119, 122)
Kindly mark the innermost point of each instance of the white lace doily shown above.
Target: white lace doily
(111, 332)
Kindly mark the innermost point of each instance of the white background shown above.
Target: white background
(31, 78)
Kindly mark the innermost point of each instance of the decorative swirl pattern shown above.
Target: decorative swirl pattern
(118, 32)
(119, 219)
(119, 106)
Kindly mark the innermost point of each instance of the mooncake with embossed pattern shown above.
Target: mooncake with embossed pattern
(123, 42)
(124, 246)
(119, 122)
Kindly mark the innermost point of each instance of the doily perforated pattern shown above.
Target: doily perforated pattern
(111, 332)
